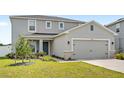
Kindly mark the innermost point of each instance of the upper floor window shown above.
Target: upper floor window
(61, 25)
(48, 25)
(117, 30)
(91, 27)
(118, 27)
(31, 25)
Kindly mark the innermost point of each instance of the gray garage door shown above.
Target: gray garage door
(87, 49)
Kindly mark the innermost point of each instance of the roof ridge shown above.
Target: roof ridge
(46, 17)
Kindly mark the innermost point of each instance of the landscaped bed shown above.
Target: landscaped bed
(54, 69)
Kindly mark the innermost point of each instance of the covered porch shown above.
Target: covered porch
(41, 46)
(40, 43)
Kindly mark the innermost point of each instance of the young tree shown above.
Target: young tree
(23, 49)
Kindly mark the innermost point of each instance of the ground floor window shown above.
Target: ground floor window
(33, 46)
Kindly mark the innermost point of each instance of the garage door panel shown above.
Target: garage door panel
(88, 49)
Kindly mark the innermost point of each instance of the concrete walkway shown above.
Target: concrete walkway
(112, 64)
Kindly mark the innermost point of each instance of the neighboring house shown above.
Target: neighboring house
(5, 49)
(65, 38)
(118, 27)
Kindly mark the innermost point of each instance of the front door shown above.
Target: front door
(45, 47)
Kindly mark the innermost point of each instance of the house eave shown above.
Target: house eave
(115, 22)
(58, 19)
(39, 37)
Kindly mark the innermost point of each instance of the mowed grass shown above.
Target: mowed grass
(55, 70)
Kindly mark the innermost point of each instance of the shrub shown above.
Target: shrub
(120, 56)
(11, 55)
(48, 58)
(33, 56)
(40, 54)
(3, 57)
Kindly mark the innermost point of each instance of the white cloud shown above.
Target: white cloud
(3, 24)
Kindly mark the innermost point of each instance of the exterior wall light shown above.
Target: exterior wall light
(112, 43)
(68, 42)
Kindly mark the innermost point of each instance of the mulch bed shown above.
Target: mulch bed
(22, 64)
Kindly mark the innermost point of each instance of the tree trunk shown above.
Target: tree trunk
(15, 61)
(29, 60)
(22, 60)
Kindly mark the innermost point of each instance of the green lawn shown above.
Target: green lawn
(54, 69)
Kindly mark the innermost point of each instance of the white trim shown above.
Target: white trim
(35, 26)
(60, 27)
(50, 24)
(90, 39)
(49, 47)
(35, 47)
(40, 45)
(42, 37)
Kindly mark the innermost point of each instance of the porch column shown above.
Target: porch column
(40, 45)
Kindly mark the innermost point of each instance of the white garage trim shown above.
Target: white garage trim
(94, 39)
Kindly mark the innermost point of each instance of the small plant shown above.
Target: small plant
(42, 53)
(48, 58)
(11, 55)
(120, 56)
(33, 56)
(39, 54)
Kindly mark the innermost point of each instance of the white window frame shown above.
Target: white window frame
(118, 25)
(91, 27)
(29, 26)
(50, 24)
(60, 26)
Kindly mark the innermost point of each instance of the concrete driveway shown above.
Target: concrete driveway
(112, 64)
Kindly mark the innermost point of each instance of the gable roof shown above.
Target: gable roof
(115, 22)
(44, 17)
(68, 31)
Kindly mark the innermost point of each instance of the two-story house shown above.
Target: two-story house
(65, 38)
(118, 27)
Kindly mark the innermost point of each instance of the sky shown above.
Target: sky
(5, 25)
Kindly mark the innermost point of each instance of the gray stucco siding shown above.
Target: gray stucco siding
(120, 37)
(99, 33)
(20, 27)
(59, 46)
(22, 24)
(41, 27)
(121, 33)
(83, 32)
